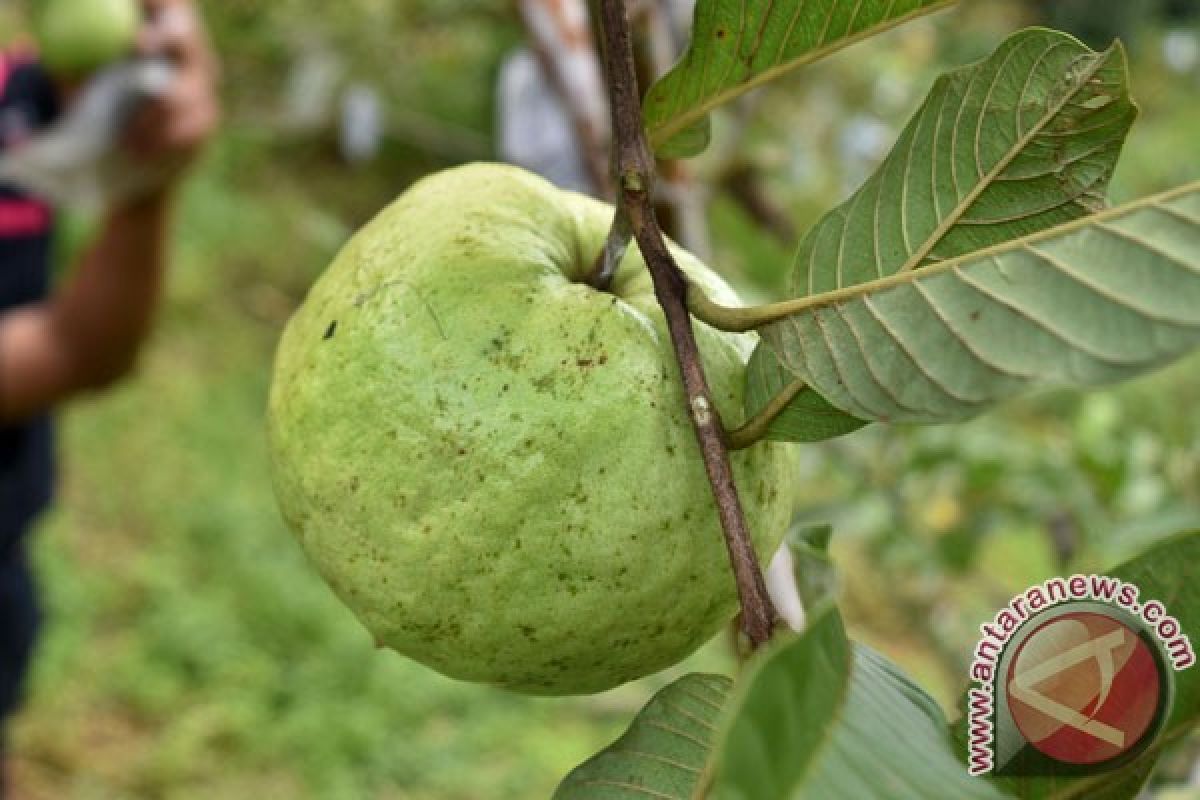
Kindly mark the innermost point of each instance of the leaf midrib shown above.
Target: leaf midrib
(660, 135)
(848, 293)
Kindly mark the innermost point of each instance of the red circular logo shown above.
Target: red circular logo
(1084, 688)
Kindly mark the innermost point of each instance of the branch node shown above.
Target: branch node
(633, 181)
(701, 411)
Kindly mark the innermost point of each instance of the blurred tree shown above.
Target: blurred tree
(1096, 22)
(1181, 11)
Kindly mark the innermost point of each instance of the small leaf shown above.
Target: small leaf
(1094, 301)
(815, 575)
(742, 44)
(814, 539)
(808, 418)
(820, 718)
(1165, 572)
(663, 753)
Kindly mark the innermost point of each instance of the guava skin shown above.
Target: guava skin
(490, 462)
(77, 37)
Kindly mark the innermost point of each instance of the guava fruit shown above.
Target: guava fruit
(490, 461)
(77, 37)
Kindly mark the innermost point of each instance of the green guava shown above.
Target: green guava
(490, 461)
(76, 37)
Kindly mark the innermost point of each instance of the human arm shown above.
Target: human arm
(88, 333)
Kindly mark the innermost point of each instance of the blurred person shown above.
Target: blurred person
(1181, 41)
(86, 335)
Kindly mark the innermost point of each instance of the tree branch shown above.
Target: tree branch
(635, 173)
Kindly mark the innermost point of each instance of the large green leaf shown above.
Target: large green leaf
(807, 418)
(1166, 572)
(1005, 148)
(821, 718)
(1096, 300)
(662, 755)
(740, 44)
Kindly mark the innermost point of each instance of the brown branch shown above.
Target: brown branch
(635, 173)
(680, 207)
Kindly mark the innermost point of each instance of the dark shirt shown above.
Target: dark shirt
(27, 103)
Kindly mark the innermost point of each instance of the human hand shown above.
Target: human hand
(171, 128)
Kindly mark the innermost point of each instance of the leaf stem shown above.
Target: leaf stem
(737, 319)
(634, 169)
(755, 429)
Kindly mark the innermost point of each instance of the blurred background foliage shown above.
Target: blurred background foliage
(193, 653)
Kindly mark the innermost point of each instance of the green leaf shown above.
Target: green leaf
(820, 718)
(807, 418)
(1008, 147)
(815, 574)
(1165, 572)
(1016, 144)
(740, 44)
(1098, 300)
(662, 755)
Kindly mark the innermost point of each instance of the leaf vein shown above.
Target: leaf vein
(1100, 290)
(838, 368)
(699, 698)
(865, 358)
(1147, 245)
(628, 787)
(941, 315)
(667, 704)
(660, 759)
(676, 732)
(1038, 322)
(980, 172)
(921, 368)
(1178, 214)
(952, 219)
